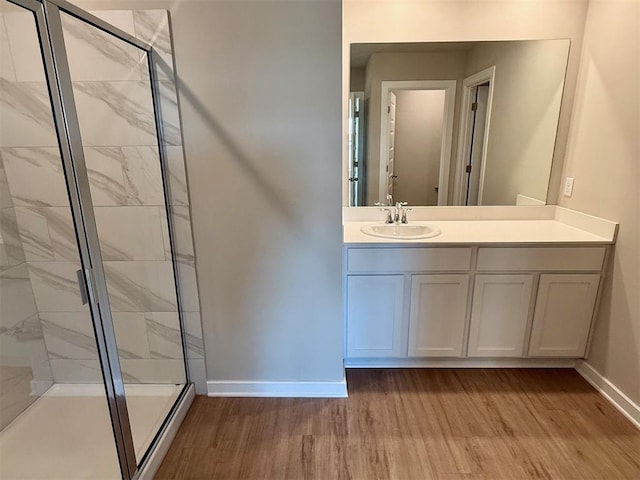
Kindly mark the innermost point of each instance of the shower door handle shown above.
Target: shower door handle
(82, 284)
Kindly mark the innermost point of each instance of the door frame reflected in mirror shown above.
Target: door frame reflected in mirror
(465, 140)
(449, 88)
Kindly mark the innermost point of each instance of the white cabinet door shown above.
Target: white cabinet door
(374, 315)
(562, 316)
(438, 312)
(499, 315)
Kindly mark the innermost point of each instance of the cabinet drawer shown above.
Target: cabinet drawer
(540, 259)
(408, 260)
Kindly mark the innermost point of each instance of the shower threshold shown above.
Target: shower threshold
(67, 434)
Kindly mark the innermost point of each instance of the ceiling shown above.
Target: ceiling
(360, 52)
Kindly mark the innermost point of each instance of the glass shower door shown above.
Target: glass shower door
(109, 146)
(112, 89)
(55, 420)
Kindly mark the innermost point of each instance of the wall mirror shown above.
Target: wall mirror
(453, 123)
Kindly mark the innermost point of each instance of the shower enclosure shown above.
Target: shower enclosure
(99, 313)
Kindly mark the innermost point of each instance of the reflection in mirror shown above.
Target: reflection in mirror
(454, 123)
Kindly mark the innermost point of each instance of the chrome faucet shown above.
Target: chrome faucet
(401, 213)
(398, 214)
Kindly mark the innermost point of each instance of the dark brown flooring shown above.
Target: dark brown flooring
(413, 424)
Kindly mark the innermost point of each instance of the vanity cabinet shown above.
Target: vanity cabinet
(469, 302)
(438, 307)
(500, 313)
(375, 310)
(563, 313)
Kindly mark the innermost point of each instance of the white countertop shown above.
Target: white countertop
(485, 231)
(555, 225)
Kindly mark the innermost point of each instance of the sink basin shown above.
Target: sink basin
(410, 231)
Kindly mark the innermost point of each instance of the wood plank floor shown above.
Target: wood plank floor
(413, 424)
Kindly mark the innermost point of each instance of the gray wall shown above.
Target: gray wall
(604, 157)
(356, 79)
(528, 88)
(262, 136)
(259, 86)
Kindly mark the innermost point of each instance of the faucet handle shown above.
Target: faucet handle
(404, 214)
(389, 218)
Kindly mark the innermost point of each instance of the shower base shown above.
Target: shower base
(66, 433)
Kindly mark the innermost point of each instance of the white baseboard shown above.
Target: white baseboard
(278, 389)
(459, 363)
(609, 391)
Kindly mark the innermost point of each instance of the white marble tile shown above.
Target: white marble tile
(7, 71)
(153, 371)
(193, 332)
(43, 375)
(131, 335)
(48, 234)
(96, 55)
(170, 113)
(123, 19)
(11, 252)
(115, 113)
(15, 393)
(183, 242)
(152, 26)
(188, 287)
(177, 176)
(143, 176)
(198, 375)
(16, 297)
(55, 286)
(163, 331)
(76, 371)
(5, 192)
(106, 176)
(162, 211)
(34, 232)
(69, 335)
(141, 286)
(22, 344)
(24, 45)
(35, 177)
(130, 233)
(124, 176)
(26, 119)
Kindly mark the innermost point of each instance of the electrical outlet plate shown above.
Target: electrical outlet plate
(568, 186)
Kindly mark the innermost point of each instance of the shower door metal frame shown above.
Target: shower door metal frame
(51, 36)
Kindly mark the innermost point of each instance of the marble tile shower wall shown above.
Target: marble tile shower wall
(24, 359)
(112, 94)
